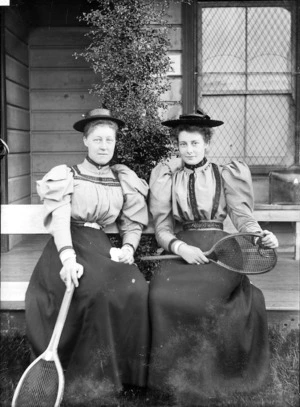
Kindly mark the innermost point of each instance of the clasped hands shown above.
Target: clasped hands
(124, 255)
(72, 271)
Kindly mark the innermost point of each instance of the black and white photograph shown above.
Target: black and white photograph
(150, 203)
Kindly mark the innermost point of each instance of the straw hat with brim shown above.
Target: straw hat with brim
(96, 114)
(198, 119)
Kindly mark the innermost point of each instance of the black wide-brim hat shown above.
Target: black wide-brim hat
(198, 119)
(96, 114)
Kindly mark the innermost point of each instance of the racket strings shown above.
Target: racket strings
(40, 386)
(240, 253)
(229, 253)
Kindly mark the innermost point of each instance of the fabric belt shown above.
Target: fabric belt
(202, 224)
(93, 225)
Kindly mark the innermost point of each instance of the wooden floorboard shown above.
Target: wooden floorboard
(280, 287)
(18, 264)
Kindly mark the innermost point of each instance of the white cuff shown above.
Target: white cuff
(175, 246)
(129, 248)
(67, 254)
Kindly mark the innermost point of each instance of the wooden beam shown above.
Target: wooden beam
(189, 57)
(28, 220)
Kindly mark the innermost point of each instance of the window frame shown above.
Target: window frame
(190, 26)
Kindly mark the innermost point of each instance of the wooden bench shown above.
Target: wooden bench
(281, 213)
(28, 220)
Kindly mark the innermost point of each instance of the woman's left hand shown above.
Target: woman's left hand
(269, 239)
(71, 272)
(126, 255)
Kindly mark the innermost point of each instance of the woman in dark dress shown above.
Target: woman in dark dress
(104, 343)
(209, 326)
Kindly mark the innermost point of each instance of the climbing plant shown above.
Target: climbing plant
(129, 40)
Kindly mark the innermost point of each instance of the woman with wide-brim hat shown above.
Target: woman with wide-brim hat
(209, 326)
(104, 343)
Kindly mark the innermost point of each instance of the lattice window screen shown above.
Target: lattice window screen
(245, 78)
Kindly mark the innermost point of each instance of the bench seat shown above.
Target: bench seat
(280, 286)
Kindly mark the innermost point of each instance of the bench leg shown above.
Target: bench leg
(297, 241)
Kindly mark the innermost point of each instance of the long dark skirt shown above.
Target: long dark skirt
(209, 328)
(105, 341)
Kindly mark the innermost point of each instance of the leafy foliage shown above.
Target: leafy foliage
(128, 52)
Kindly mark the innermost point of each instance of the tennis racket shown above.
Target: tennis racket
(240, 252)
(42, 384)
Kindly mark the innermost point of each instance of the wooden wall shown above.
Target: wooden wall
(59, 93)
(47, 91)
(17, 110)
(17, 98)
(59, 85)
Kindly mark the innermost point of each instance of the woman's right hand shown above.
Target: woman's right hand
(192, 254)
(71, 272)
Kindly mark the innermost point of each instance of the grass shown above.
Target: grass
(282, 390)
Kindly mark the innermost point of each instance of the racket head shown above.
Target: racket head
(42, 383)
(243, 253)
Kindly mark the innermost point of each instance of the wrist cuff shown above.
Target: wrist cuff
(174, 245)
(129, 247)
(66, 254)
(170, 244)
(177, 246)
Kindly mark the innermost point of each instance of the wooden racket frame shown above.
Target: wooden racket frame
(207, 253)
(50, 354)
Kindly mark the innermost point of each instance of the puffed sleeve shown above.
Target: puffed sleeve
(239, 196)
(55, 190)
(160, 202)
(134, 214)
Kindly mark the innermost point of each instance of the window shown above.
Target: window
(246, 77)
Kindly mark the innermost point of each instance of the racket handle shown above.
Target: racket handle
(61, 319)
(166, 257)
(160, 257)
